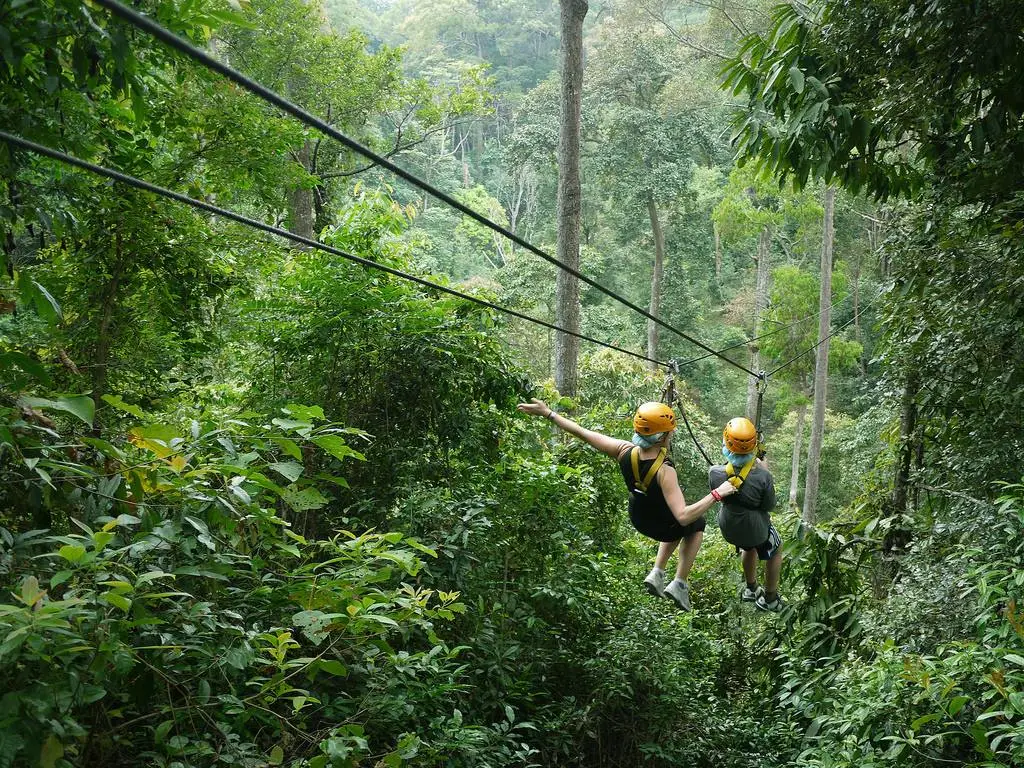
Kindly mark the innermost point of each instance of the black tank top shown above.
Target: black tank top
(649, 511)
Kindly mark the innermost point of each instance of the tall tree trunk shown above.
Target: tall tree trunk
(764, 244)
(858, 332)
(300, 199)
(906, 448)
(718, 255)
(567, 289)
(798, 444)
(821, 362)
(656, 273)
(105, 330)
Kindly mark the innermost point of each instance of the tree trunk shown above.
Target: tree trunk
(858, 332)
(821, 362)
(764, 244)
(906, 448)
(105, 330)
(798, 444)
(656, 273)
(567, 289)
(300, 200)
(718, 255)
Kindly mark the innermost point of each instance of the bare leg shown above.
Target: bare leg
(772, 569)
(665, 550)
(750, 566)
(688, 549)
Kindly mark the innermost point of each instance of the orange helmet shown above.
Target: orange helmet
(740, 435)
(653, 419)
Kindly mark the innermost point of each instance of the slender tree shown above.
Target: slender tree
(567, 288)
(821, 361)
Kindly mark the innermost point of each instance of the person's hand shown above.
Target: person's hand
(535, 408)
(726, 489)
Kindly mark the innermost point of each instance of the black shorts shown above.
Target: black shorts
(774, 543)
(665, 527)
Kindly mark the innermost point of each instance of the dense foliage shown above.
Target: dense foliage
(260, 506)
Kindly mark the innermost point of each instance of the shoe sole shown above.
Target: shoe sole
(653, 590)
(678, 602)
(766, 609)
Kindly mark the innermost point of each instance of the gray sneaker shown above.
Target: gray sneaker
(748, 595)
(655, 582)
(679, 591)
(774, 606)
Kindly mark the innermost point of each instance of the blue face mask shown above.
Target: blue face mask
(648, 441)
(736, 459)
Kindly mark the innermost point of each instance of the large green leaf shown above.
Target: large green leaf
(121, 405)
(81, 406)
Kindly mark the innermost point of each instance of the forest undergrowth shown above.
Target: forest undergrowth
(262, 507)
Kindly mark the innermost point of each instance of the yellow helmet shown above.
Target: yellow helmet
(653, 419)
(740, 435)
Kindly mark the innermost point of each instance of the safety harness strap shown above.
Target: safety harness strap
(641, 486)
(736, 479)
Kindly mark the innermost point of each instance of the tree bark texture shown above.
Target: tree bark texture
(301, 207)
(763, 257)
(798, 444)
(821, 362)
(105, 330)
(718, 255)
(656, 274)
(567, 288)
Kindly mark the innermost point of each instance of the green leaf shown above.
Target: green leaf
(305, 500)
(333, 667)
(71, 552)
(796, 78)
(59, 578)
(302, 427)
(957, 704)
(52, 751)
(118, 601)
(121, 405)
(916, 725)
(276, 756)
(46, 305)
(32, 367)
(1013, 658)
(78, 405)
(162, 730)
(304, 412)
(289, 446)
(149, 576)
(337, 447)
(30, 591)
(288, 469)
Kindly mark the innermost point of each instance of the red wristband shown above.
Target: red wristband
(715, 494)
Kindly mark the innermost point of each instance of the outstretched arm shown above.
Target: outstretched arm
(606, 445)
(669, 482)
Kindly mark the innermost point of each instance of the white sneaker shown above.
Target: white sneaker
(679, 591)
(655, 582)
(774, 606)
(748, 595)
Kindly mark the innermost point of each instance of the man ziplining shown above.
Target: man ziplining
(657, 507)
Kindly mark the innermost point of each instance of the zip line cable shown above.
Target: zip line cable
(240, 219)
(793, 359)
(773, 332)
(163, 34)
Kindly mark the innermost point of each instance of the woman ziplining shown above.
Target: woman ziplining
(745, 519)
(657, 507)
